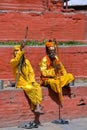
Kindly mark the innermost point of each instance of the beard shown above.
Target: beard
(52, 56)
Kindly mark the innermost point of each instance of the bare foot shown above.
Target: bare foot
(39, 111)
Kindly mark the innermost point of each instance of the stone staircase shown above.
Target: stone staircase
(15, 108)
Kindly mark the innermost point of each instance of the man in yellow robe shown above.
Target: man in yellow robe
(26, 78)
(53, 72)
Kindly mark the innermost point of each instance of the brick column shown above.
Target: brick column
(56, 5)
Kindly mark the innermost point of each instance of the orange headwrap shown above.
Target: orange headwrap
(50, 44)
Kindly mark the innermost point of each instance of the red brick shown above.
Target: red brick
(15, 107)
(74, 59)
(63, 27)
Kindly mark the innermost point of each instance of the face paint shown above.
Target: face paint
(15, 52)
(16, 49)
(52, 52)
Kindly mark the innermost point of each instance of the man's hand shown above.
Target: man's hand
(57, 68)
(22, 45)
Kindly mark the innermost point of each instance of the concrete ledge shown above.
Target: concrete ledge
(15, 108)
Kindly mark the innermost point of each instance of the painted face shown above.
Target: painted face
(16, 49)
(15, 52)
(52, 52)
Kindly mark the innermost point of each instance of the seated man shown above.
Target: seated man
(53, 72)
(26, 78)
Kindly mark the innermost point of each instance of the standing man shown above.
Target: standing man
(26, 78)
(53, 72)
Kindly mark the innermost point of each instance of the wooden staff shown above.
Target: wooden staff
(21, 59)
(58, 72)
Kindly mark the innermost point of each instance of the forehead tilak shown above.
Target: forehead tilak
(52, 48)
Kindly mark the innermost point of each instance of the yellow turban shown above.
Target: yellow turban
(50, 44)
(16, 47)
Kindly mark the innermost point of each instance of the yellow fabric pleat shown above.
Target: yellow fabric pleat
(26, 80)
(56, 81)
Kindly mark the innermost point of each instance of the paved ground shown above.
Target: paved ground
(75, 124)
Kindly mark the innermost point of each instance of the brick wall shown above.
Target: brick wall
(23, 5)
(74, 59)
(43, 24)
(15, 108)
(63, 27)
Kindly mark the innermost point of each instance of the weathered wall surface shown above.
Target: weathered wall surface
(15, 108)
(21, 5)
(15, 15)
(42, 23)
(63, 27)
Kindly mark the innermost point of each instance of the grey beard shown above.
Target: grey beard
(52, 56)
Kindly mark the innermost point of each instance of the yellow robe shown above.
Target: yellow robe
(26, 80)
(56, 81)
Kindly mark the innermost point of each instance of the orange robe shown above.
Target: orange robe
(55, 80)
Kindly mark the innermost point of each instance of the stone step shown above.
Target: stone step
(15, 107)
(81, 82)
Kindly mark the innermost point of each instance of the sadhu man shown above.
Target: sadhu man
(26, 79)
(53, 73)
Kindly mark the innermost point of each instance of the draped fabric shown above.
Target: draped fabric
(26, 79)
(55, 80)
